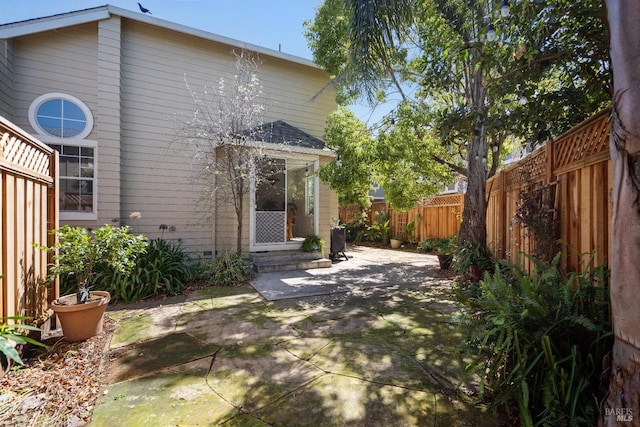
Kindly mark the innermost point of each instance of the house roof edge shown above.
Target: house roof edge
(78, 17)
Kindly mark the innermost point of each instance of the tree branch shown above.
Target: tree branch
(456, 168)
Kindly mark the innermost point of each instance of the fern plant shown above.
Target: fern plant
(539, 340)
(313, 243)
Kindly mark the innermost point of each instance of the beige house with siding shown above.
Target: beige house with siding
(106, 87)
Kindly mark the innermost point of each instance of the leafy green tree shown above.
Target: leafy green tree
(410, 161)
(350, 175)
(484, 75)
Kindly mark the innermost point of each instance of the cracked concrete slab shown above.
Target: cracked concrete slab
(359, 354)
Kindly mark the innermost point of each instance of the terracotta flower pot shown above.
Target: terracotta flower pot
(81, 321)
(395, 243)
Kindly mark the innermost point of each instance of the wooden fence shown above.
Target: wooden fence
(438, 216)
(576, 170)
(28, 177)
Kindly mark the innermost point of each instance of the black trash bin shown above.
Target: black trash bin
(338, 243)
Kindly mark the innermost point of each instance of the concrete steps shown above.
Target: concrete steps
(267, 262)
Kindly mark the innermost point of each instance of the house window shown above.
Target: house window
(309, 196)
(61, 116)
(77, 174)
(63, 122)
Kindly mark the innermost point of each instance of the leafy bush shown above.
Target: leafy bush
(83, 255)
(540, 340)
(467, 255)
(229, 269)
(379, 232)
(438, 245)
(357, 227)
(164, 268)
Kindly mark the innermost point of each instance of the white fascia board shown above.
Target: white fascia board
(38, 25)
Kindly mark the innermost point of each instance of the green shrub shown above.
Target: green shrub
(438, 245)
(84, 256)
(540, 340)
(357, 227)
(164, 268)
(468, 254)
(229, 269)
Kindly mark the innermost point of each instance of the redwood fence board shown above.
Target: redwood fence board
(29, 214)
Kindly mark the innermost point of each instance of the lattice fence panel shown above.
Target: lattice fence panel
(445, 200)
(531, 168)
(24, 154)
(590, 139)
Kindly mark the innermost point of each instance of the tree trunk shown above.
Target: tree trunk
(474, 216)
(623, 402)
(239, 214)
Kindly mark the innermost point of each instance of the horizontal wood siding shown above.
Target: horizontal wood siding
(328, 210)
(56, 61)
(157, 65)
(133, 77)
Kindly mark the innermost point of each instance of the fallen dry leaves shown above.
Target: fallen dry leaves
(57, 387)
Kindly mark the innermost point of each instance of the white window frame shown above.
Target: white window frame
(309, 181)
(80, 215)
(77, 141)
(35, 105)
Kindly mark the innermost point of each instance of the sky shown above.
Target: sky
(267, 23)
(274, 24)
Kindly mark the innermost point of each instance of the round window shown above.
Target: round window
(61, 116)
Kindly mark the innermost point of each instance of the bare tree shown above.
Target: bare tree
(225, 135)
(623, 403)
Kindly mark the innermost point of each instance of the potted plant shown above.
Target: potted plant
(395, 242)
(81, 257)
(444, 249)
(313, 243)
(473, 260)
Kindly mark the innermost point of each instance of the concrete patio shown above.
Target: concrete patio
(371, 341)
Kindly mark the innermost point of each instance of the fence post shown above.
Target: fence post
(550, 171)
